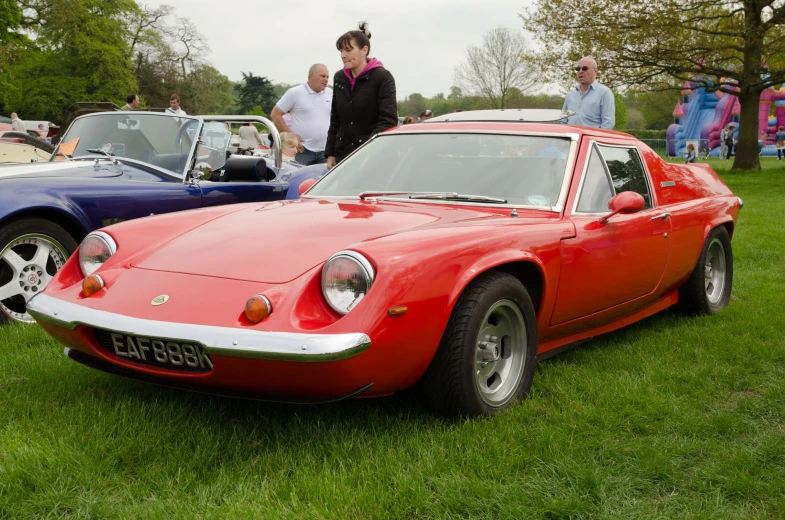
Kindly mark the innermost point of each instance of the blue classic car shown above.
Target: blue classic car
(114, 166)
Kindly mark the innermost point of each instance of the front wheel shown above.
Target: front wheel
(709, 286)
(485, 361)
(32, 250)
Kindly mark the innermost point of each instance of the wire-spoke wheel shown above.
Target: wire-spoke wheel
(709, 287)
(31, 252)
(485, 361)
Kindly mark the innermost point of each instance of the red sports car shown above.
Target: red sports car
(453, 254)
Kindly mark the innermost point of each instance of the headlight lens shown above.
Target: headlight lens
(96, 249)
(346, 279)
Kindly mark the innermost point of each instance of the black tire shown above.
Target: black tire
(32, 141)
(704, 295)
(452, 383)
(43, 232)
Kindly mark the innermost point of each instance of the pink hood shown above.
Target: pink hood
(373, 63)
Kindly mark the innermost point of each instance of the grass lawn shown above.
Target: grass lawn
(673, 417)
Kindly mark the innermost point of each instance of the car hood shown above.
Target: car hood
(56, 169)
(277, 242)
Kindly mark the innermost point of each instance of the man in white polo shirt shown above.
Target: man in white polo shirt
(309, 106)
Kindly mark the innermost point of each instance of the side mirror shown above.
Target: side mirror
(625, 203)
(305, 186)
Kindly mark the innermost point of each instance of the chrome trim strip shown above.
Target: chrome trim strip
(741, 202)
(219, 341)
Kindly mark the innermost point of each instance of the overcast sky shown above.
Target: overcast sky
(419, 41)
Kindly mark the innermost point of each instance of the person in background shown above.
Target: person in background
(591, 101)
(723, 144)
(691, 155)
(131, 102)
(43, 131)
(779, 142)
(17, 125)
(174, 106)
(289, 143)
(425, 115)
(364, 102)
(729, 140)
(249, 136)
(309, 107)
(408, 120)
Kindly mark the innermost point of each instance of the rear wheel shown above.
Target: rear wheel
(485, 361)
(32, 250)
(708, 289)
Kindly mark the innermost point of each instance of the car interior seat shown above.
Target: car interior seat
(244, 168)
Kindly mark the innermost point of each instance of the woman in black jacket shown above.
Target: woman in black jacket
(364, 100)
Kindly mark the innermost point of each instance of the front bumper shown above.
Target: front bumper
(219, 341)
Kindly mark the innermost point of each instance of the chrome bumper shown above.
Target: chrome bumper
(219, 341)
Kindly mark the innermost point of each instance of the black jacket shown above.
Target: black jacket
(358, 114)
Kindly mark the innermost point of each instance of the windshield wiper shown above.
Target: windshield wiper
(458, 197)
(101, 150)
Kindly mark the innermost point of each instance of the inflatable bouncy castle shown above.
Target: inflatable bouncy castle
(700, 116)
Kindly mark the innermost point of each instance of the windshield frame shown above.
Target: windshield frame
(134, 114)
(556, 208)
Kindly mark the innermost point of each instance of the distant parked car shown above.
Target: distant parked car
(115, 166)
(19, 148)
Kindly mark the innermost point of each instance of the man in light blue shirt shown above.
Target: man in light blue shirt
(592, 102)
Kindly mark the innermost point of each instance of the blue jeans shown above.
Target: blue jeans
(307, 157)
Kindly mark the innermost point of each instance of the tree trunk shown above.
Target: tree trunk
(747, 157)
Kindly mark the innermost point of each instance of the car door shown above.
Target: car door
(607, 265)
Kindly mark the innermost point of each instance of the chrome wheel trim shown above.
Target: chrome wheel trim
(500, 353)
(29, 277)
(715, 271)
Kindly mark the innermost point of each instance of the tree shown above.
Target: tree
(256, 91)
(79, 54)
(455, 93)
(492, 70)
(735, 46)
(621, 111)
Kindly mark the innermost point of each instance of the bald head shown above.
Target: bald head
(587, 71)
(318, 77)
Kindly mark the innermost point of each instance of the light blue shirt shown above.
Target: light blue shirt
(595, 108)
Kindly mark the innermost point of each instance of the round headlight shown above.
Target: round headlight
(346, 279)
(96, 249)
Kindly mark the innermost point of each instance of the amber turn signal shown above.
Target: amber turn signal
(258, 308)
(92, 284)
(397, 310)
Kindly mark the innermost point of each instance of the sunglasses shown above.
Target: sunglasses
(584, 68)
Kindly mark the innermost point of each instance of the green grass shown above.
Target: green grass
(672, 417)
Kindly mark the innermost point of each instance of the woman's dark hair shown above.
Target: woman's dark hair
(130, 98)
(361, 38)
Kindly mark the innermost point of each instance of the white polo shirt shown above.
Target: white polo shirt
(310, 113)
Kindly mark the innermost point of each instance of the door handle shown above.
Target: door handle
(661, 216)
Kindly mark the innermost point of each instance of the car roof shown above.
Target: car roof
(508, 127)
(523, 120)
(526, 115)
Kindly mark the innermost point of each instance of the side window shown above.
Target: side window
(627, 174)
(596, 190)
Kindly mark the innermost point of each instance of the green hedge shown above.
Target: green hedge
(645, 134)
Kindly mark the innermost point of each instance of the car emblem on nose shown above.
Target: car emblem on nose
(160, 300)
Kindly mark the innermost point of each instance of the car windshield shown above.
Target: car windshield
(513, 169)
(161, 140)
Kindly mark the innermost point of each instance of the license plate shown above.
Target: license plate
(158, 352)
